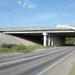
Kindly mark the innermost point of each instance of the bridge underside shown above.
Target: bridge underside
(46, 39)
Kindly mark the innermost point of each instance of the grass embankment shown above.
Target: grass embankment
(72, 72)
(19, 48)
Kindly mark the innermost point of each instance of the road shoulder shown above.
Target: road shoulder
(64, 67)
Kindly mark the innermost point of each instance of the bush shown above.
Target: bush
(18, 48)
(4, 50)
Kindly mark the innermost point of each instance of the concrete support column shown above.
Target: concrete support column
(52, 43)
(49, 40)
(45, 39)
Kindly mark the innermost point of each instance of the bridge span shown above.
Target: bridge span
(46, 36)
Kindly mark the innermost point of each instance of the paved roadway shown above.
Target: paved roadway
(32, 63)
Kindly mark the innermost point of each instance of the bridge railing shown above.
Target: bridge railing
(31, 28)
(25, 28)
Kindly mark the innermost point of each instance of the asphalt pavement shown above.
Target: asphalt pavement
(32, 63)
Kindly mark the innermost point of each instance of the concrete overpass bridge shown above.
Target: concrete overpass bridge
(48, 36)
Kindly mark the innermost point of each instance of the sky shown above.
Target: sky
(26, 13)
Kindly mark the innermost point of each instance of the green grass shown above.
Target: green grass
(70, 41)
(19, 48)
(72, 72)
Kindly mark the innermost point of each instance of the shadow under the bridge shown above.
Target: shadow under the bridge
(38, 39)
(69, 45)
(32, 38)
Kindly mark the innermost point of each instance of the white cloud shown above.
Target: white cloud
(19, 2)
(26, 4)
(30, 5)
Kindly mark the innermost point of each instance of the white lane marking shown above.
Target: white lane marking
(42, 72)
(25, 59)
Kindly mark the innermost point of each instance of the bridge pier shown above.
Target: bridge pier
(49, 40)
(57, 40)
(52, 40)
(45, 39)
